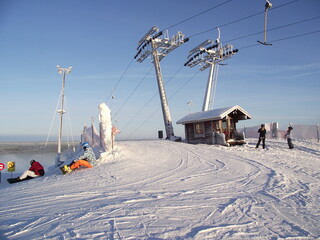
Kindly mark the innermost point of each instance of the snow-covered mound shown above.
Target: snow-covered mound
(168, 190)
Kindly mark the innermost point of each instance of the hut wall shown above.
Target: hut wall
(200, 137)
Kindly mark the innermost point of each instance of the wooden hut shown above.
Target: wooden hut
(201, 127)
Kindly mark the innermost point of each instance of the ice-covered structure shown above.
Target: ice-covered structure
(104, 138)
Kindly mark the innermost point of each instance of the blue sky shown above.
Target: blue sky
(98, 38)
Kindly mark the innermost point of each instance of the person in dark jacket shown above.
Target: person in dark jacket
(262, 136)
(35, 170)
(288, 136)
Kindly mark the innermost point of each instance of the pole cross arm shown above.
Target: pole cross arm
(161, 42)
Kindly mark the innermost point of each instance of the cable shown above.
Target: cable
(133, 91)
(178, 90)
(295, 36)
(194, 16)
(241, 19)
(150, 100)
(272, 29)
(152, 114)
(281, 39)
(112, 91)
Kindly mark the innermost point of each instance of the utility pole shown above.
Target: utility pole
(210, 54)
(158, 45)
(62, 71)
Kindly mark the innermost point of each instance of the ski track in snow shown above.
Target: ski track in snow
(167, 190)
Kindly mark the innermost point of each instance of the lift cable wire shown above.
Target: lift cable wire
(112, 91)
(241, 19)
(272, 29)
(133, 92)
(150, 100)
(281, 39)
(194, 16)
(152, 114)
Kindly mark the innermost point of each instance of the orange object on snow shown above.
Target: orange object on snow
(80, 163)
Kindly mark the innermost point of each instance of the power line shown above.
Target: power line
(240, 19)
(194, 16)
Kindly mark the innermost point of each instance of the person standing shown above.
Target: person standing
(288, 136)
(262, 136)
(35, 170)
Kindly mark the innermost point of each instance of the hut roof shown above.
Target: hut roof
(215, 114)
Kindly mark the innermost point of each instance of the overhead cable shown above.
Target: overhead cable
(285, 38)
(241, 19)
(112, 91)
(152, 114)
(150, 100)
(194, 16)
(272, 29)
(133, 92)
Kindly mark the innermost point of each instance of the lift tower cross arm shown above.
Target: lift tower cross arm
(158, 45)
(210, 54)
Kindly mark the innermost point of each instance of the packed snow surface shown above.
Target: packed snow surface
(168, 190)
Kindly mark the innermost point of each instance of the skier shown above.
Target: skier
(288, 136)
(87, 159)
(262, 136)
(35, 170)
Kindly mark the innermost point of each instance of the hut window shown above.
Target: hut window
(199, 128)
(224, 125)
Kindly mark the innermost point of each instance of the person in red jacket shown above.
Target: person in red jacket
(35, 170)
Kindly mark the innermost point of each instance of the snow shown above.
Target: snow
(215, 114)
(169, 190)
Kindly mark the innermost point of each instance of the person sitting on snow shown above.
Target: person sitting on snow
(87, 159)
(35, 170)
